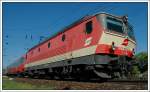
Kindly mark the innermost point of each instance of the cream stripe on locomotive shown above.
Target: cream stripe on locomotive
(77, 53)
(108, 38)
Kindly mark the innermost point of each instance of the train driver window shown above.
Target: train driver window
(89, 27)
(49, 45)
(63, 37)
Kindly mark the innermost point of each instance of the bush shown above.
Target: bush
(142, 60)
(135, 71)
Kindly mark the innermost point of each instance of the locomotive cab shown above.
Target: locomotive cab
(118, 37)
(116, 46)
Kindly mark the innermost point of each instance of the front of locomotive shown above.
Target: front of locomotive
(116, 46)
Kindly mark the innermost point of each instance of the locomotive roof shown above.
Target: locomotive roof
(70, 26)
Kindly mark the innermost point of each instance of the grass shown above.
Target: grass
(8, 84)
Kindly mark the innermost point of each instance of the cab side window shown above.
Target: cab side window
(49, 44)
(89, 27)
(63, 37)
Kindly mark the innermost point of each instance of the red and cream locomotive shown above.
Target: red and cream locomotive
(100, 45)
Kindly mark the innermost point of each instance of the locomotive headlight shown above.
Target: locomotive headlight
(113, 46)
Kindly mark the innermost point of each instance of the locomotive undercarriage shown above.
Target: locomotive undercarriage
(83, 68)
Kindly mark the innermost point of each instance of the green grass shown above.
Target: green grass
(14, 85)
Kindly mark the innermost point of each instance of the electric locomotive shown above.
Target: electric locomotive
(101, 45)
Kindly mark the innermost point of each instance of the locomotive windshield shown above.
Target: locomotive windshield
(114, 25)
(130, 31)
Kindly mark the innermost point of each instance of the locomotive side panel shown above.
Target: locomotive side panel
(85, 43)
(76, 44)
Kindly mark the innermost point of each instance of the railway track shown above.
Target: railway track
(88, 85)
(128, 80)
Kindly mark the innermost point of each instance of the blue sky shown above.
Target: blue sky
(21, 20)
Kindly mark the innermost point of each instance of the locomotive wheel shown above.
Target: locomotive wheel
(79, 73)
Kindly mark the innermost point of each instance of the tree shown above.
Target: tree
(142, 56)
(142, 59)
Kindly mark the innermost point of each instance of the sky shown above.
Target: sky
(24, 23)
